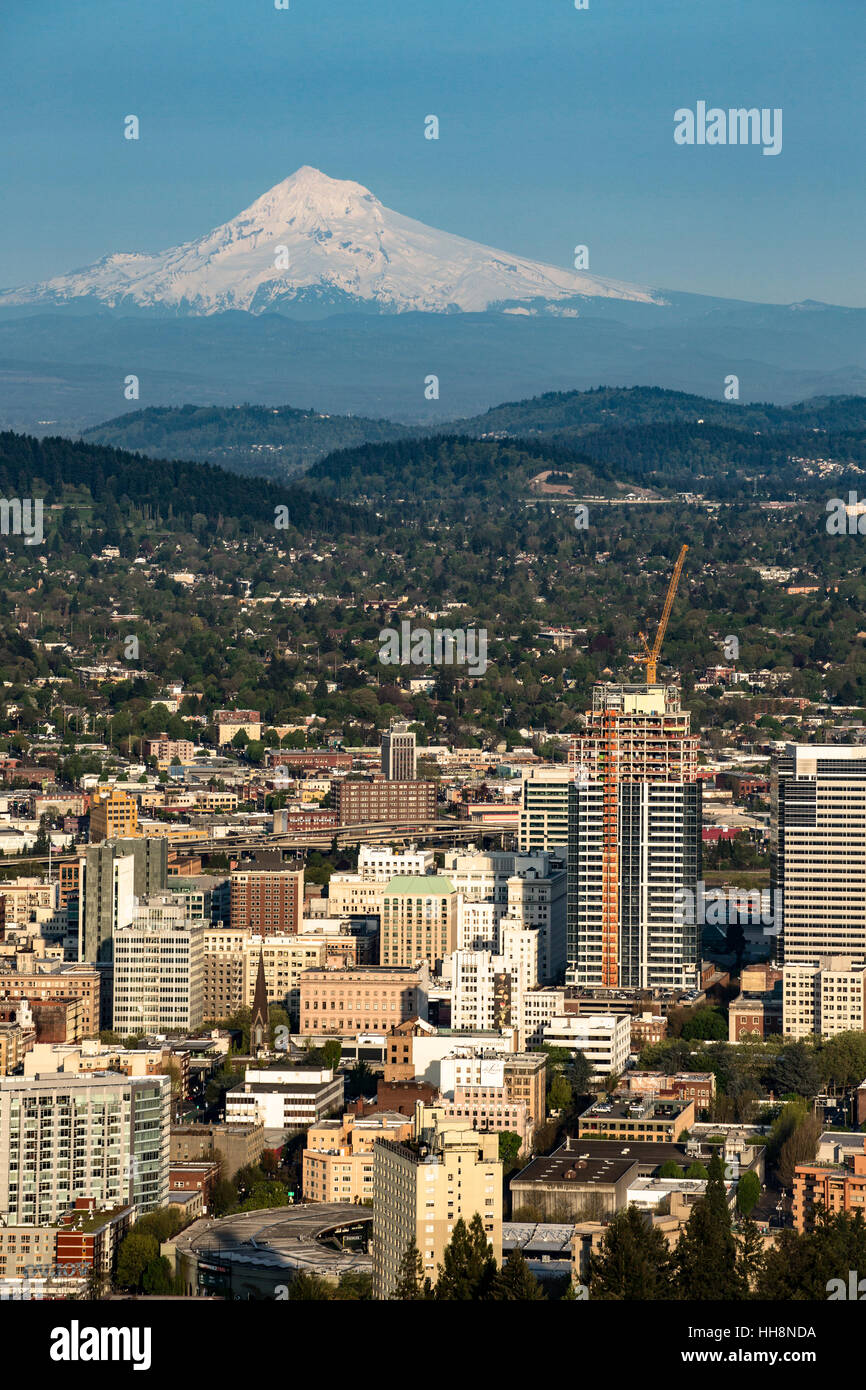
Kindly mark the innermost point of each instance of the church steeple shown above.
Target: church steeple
(259, 1030)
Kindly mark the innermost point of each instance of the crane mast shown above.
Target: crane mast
(653, 652)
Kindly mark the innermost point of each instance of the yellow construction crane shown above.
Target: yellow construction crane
(652, 652)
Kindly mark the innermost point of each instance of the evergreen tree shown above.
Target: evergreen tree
(634, 1262)
(515, 1281)
(804, 1265)
(706, 1254)
(411, 1284)
(750, 1257)
(468, 1267)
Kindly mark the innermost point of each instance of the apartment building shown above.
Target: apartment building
(365, 999)
(14, 1040)
(423, 1185)
(350, 895)
(418, 921)
(230, 722)
(823, 998)
(337, 1163)
(477, 924)
(233, 1146)
(113, 815)
(521, 1077)
(634, 849)
(359, 801)
(165, 749)
(231, 960)
(414, 1050)
(697, 1086)
(267, 901)
(28, 900)
(111, 876)
(158, 969)
(538, 1008)
(532, 887)
(833, 1186)
(44, 982)
(644, 1119)
(62, 1137)
(818, 851)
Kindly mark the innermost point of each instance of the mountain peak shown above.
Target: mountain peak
(308, 190)
(326, 243)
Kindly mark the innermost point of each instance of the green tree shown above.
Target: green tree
(797, 1070)
(310, 1288)
(509, 1148)
(748, 1192)
(157, 1277)
(633, 1263)
(704, 1024)
(559, 1094)
(137, 1251)
(516, 1282)
(706, 1253)
(411, 1284)
(803, 1265)
(800, 1147)
(468, 1266)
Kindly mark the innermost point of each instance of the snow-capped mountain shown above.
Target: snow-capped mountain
(314, 240)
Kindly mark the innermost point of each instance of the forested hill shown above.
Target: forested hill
(569, 412)
(250, 439)
(667, 439)
(455, 468)
(189, 494)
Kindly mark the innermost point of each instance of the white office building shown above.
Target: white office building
(824, 998)
(159, 969)
(604, 1040)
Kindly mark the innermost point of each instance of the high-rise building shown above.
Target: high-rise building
(544, 809)
(419, 920)
(111, 875)
(818, 851)
(65, 1136)
(530, 887)
(398, 752)
(634, 851)
(158, 969)
(267, 901)
(423, 1185)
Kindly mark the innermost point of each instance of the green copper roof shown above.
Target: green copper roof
(421, 885)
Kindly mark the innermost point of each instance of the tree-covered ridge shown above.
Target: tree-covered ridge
(113, 478)
(558, 411)
(272, 442)
(453, 467)
(661, 438)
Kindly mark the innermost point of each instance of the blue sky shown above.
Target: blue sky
(556, 128)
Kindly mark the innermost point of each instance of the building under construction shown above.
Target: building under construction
(634, 834)
(634, 855)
